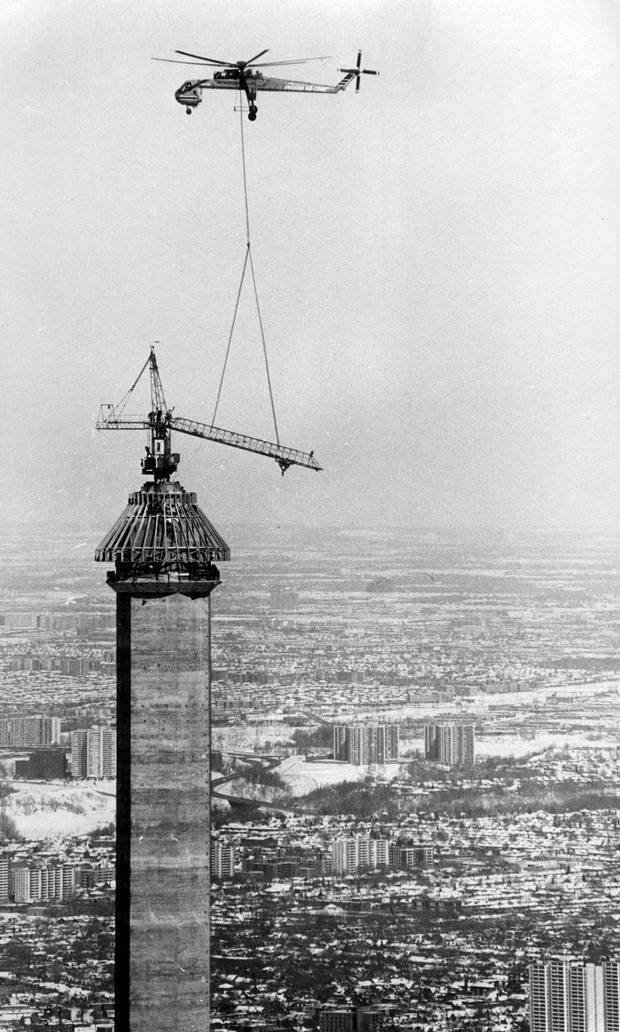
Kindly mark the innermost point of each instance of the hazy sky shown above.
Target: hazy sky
(437, 258)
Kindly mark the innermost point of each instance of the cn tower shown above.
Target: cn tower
(164, 552)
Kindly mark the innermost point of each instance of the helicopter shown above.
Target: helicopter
(247, 76)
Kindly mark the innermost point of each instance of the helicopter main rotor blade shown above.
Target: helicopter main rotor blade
(209, 60)
(256, 56)
(280, 64)
(172, 60)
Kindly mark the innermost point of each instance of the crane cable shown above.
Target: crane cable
(247, 261)
(120, 408)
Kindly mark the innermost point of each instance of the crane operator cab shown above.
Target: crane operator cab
(160, 461)
(189, 94)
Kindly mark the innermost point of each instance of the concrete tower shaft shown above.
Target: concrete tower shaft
(163, 548)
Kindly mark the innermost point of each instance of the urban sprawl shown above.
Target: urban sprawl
(415, 771)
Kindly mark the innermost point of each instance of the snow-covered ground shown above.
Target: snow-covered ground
(303, 777)
(56, 809)
(517, 745)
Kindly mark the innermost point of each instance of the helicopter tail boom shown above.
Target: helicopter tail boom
(344, 82)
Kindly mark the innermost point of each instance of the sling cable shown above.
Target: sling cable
(247, 264)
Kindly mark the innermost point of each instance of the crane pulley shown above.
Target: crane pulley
(160, 460)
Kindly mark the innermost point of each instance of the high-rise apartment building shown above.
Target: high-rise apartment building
(337, 1019)
(611, 994)
(570, 995)
(411, 857)
(450, 743)
(33, 883)
(358, 853)
(32, 731)
(101, 752)
(79, 754)
(21, 885)
(364, 744)
(4, 878)
(93, 753)
(222, 860)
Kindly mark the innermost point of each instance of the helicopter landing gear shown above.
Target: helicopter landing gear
(252, 112)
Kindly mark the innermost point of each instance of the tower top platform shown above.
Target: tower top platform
(162, 538)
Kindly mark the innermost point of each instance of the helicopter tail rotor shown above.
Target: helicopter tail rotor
(358, 71)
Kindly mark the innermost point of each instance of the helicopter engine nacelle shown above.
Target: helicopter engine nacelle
(189, 95)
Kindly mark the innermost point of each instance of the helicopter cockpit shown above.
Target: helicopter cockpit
(189, 94)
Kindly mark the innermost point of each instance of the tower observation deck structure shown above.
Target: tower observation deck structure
(164, 553)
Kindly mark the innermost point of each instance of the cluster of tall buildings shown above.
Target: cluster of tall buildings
(570, 995)
(361, 852)
(450, 743)
(27, 732)
(93, 753)
(366, 744)
(72, 666)
(57, 622)
(345, 855)
(49, 882)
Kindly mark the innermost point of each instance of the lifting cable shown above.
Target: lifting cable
(247, 261)
(120, 408)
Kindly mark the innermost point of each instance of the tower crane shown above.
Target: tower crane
(160, 461)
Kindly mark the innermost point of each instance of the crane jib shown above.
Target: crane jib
(285, 456)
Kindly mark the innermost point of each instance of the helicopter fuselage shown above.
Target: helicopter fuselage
(190, 93)
(250, 81)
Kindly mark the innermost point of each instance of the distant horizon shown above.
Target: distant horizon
(347, 528)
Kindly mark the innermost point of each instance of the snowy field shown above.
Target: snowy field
(303, 777)
(515, 745)
(55, 810)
